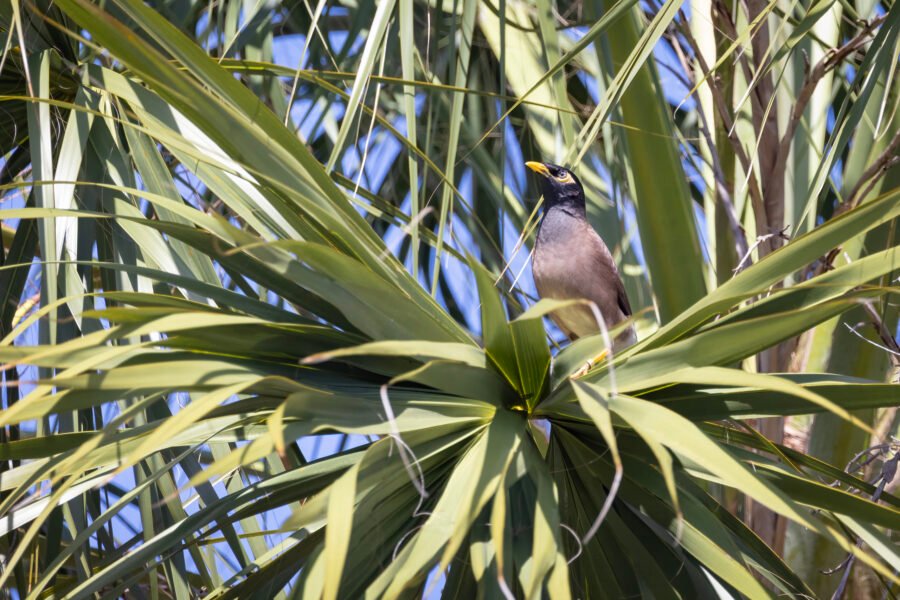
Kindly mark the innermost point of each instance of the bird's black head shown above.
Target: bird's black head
(559, 186)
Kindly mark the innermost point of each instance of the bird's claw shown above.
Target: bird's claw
(583, 370)
(589, 364)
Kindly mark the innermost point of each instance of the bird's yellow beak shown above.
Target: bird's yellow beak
(537, 167)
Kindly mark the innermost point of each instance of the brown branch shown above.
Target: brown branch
(728, 124)
(732, 34)
(765, 123)
(813, 77)
(722, 193)
(768, 204)
(886, 338)
(895, 160)
(876, 170)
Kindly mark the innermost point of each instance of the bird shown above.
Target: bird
(571, 262)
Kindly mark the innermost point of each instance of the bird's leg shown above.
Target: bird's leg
(590, 364)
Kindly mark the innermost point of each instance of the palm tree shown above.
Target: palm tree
(235, 232)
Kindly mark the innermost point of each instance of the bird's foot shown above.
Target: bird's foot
(583, 370)
(590, 364)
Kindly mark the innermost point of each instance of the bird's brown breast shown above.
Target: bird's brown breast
(571, 262)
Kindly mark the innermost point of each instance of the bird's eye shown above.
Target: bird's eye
(563, 176)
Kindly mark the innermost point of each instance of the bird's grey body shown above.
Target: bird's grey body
(572, 262)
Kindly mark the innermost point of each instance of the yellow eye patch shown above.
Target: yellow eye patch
(565, 177)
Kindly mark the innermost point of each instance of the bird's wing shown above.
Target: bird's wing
(622, 297)
(607, 289)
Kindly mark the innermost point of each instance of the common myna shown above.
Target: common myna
(571, 262)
